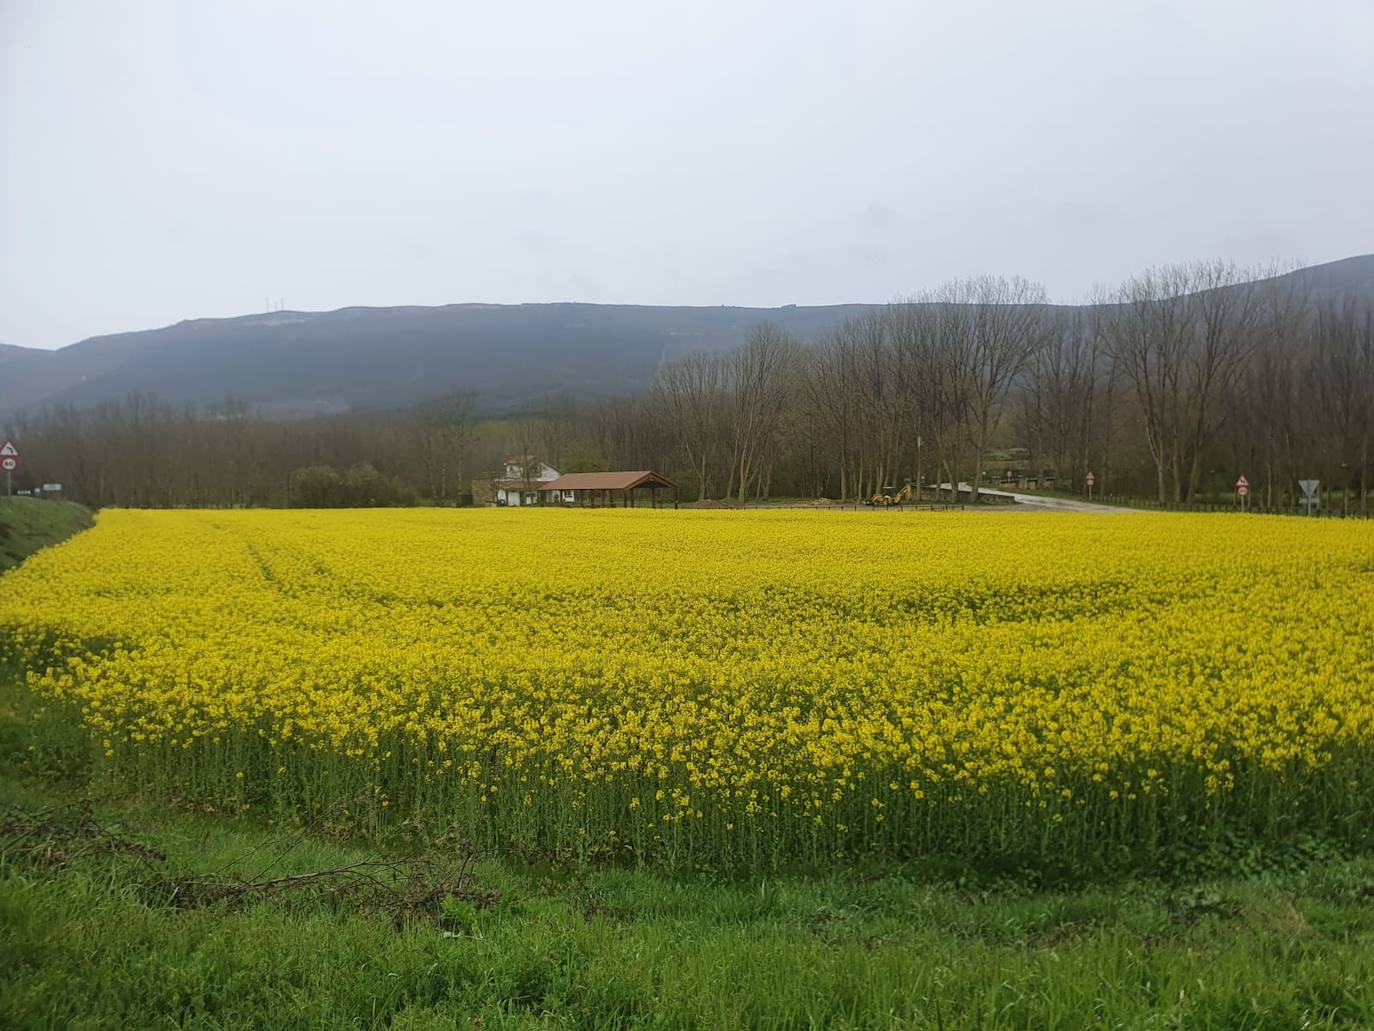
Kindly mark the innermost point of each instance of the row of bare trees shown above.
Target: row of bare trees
(1184, 336)
(934, 371)
(727, 411)
(1304, 408)
(1181, 369)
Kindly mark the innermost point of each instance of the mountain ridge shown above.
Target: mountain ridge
(296, 363)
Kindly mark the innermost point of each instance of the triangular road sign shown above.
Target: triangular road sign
(1309, 487)
(8, 450)
(1241, 481)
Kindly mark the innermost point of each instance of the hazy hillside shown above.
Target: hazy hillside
(299, 362)
(293, 363)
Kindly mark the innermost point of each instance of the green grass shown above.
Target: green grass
(27, 524)
(88, 939)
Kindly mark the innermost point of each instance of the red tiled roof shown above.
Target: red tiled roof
(608, 481)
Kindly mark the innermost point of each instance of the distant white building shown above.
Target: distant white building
(525, 477)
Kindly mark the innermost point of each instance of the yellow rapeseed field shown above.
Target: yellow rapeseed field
(725, 688)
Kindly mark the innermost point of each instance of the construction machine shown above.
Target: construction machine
(888, 496)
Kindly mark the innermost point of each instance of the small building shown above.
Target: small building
(525, 478)
(605, 489)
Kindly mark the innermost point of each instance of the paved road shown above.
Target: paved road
(1067, 505)
(1034, 502)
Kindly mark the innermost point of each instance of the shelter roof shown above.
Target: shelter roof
(608, 481)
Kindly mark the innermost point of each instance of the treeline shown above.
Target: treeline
(143, 451)
(362, 486)
(1168, 387)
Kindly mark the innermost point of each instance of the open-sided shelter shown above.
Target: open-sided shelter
(605, 489)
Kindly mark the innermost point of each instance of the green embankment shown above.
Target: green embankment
(27, 524)
(122, 910)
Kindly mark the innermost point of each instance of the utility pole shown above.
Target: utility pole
(918, 467)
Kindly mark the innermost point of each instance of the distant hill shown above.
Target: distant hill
(299, 363)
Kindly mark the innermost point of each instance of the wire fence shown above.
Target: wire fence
(1330, 506)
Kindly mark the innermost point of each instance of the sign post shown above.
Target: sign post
(1243, 492)
(1309, 499)
(918, 468)
(9, 461)
(1090, 479)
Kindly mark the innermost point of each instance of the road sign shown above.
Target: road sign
(9, 462)
(52, 488)
(1309, 500)
(1243, 490)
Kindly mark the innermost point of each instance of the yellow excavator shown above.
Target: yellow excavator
(884, 499)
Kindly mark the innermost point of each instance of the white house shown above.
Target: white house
(525, 477)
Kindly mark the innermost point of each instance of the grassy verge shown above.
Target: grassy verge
(27, 524)
(123, 910)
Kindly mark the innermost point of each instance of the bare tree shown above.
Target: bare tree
(1060, 400)
(1342, 387)
(443, 429)
(830, 387)
(1009, 328)
(689, 395)
(762, 376)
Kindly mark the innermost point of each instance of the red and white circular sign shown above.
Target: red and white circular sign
(1091, 479)
(9, 464)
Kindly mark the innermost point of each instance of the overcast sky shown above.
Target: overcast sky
(161, 161)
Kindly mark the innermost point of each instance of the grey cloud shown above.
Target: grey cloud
(163, 160)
